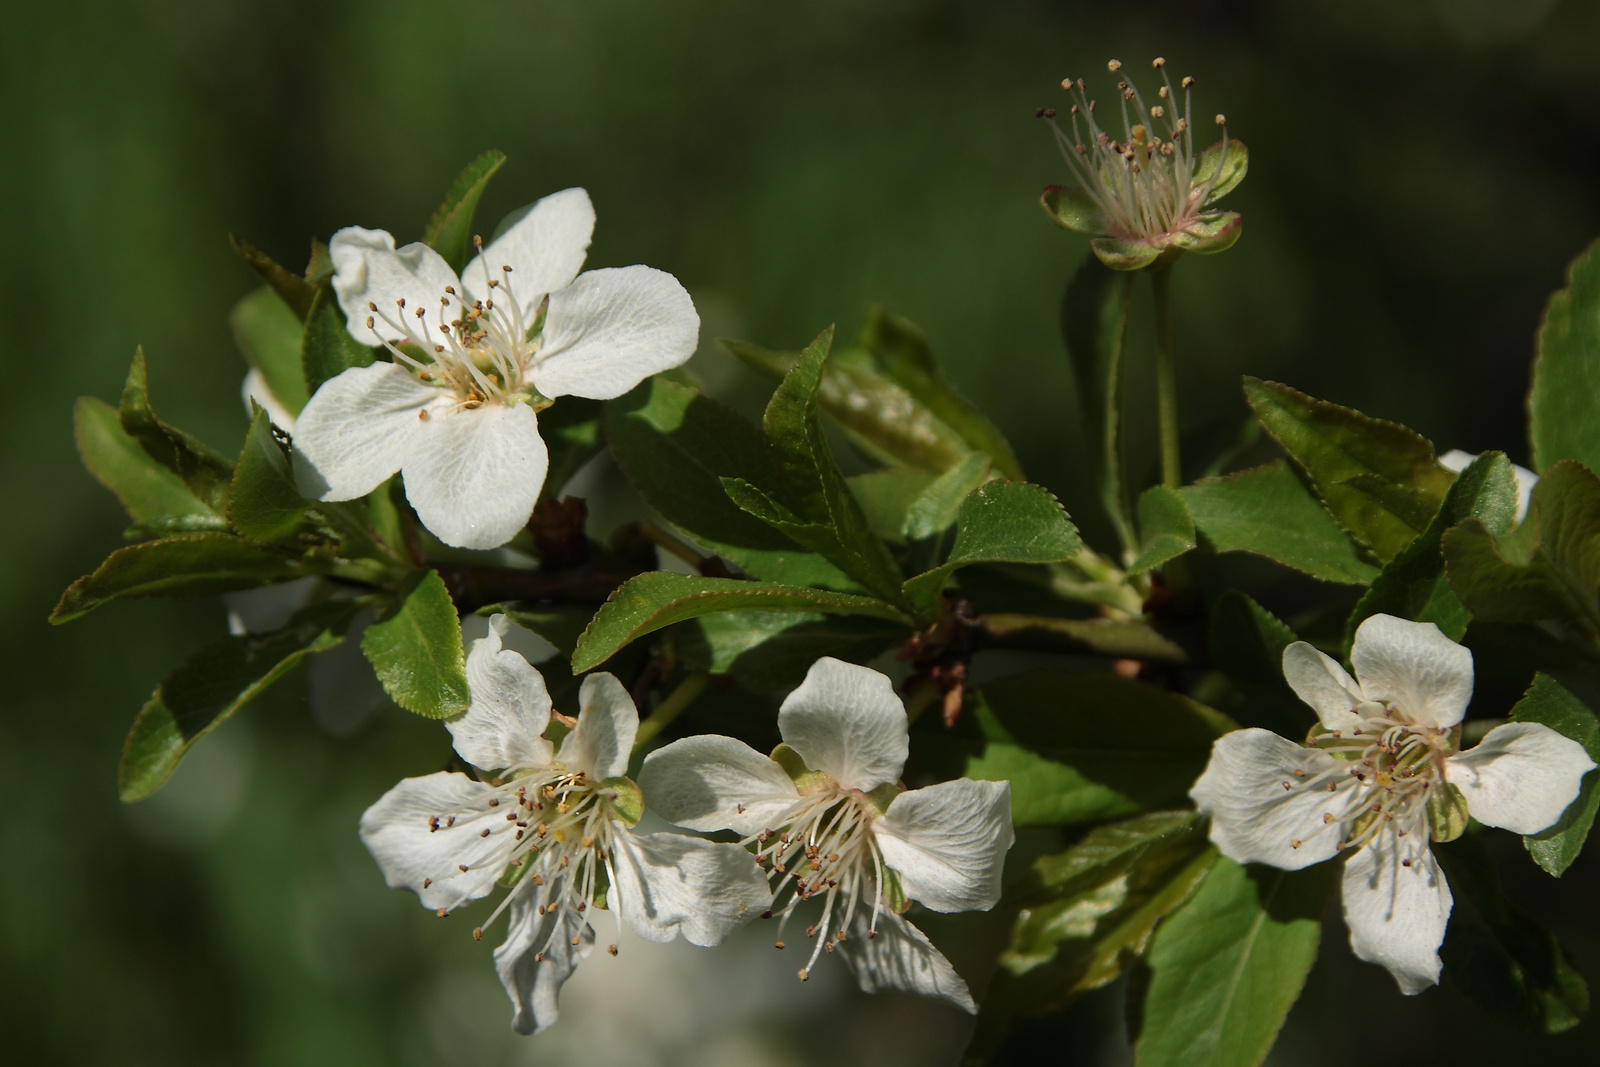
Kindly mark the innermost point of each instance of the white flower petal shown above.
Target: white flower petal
(353, 433)
(397, 833)
(948, 843)
(1415, 668)
(847, 722)
(474, 476)
(901, 958)
(1397, 914)
(667, 884)
(255, 388)
(1254, 818)
(613, 328)
(509, 711)
(368, 269)
(607, 724)
(1318, 680)
(544, 246)
(533, 984)
(1520, 777)
(709, 782)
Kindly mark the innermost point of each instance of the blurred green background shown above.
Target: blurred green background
(1421, 172)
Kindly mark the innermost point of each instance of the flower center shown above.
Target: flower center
(1398, 767)
(479, 354)
(1144, 186)
(824, 848)
(551, 831)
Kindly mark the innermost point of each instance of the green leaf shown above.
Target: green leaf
(560, 625)
(1498, 954)
(326, 349)
(1088, 915)
(1566, 370)
(814, 482)
(1120, 638)
(1548, 568)
(571, 432)
(415, 649)
(1226, 967)
(190, 565)
(263, 503)
(268, 333)
(450, 230)
(202, 468)
(647, 602)
(1076, 747)
(149, 492)
(295, 290)
(1094, 321)
(1351, 460)
(1267, 512)
(1166, 530)
(1413, 584)
(1550, 703)
(1001, 522)
(1247, 640)
(771, 651)
(675, 446)
(901, 351)
(887, 495)
(1074, 210)
(213, 684)
(938, 506)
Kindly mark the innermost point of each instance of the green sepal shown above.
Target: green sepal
(1123, 253)
(806, 781)
(1215, 231)
(1447, 813)
(326, 348)
(449, 231)
(883, 796)
(415, 650)
(625, 799)
(1233, 168)
(153, 496)
(894, 891)
(296, 291)
(1072, 209)
(203, 469)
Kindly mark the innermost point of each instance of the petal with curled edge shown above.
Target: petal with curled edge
(900, 958)
(1520, 777)
(847, 722)
(412, 855)
(534, 984)
(709, 782)
(1413, 667)
(608, 721)
(611, 329)
(368, 269)
(544, 245)
(351, 436)
(1262, 811)
(667, 884)
(948, 843)
(1318, 680)
(474, 475)
(510, 707)
(1397, 914)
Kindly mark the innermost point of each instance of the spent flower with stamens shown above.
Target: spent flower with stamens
(1148, 195)
(1382, 776)
(559, 827)
(473, 358)
(829, 824)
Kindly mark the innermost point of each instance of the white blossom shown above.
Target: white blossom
(474, 357)
(1458, 461)
(562, 823)
(1385, 753)
(827, 818)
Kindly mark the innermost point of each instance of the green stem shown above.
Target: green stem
(670, 708)
(1166, 377)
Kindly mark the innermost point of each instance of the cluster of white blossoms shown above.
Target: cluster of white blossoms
(559, 827)
(474, 358)
(1381, 776)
